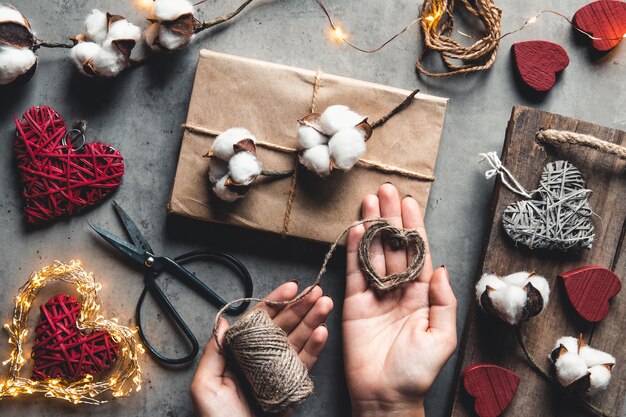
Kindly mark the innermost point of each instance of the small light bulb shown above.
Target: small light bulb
(624, 36)
(339, 34)
(532, 20)
(144, 5)
(430, 18)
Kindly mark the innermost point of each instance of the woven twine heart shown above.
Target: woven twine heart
(61, 350)
(559, 218)
(58, 179)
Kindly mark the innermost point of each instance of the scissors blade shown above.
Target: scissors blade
(131, 229)
(130, 251)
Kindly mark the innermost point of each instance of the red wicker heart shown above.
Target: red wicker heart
(59, 180)
(61, 350)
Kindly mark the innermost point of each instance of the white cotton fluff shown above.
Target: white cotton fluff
(171, 9)
(109, 62)
(595, 357)
(309, 137)
(508, 296)
(222, 192)
(346, 147)
(338, 117)
(223, 146)
(317, 159)
(570, 367)
(9, 13)
(122, 29)
(217, 169)
(15, 62)
(244, 167)
(570, 343)
(599, 379)
(172, 40)
(96, 26)
(84, 52)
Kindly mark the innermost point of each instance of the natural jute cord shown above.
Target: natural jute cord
(277, 377)
(563, 137)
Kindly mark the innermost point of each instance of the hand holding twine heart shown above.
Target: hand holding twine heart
(260, 348)
(74, 345)
(60, 179)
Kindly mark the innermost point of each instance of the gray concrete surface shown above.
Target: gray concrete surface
(140, 113)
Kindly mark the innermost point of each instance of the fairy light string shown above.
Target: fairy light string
(437, 21)
(125, 376)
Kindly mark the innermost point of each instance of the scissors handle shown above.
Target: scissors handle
(175, 266)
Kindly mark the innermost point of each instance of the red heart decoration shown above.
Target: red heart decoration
(59, 180)
(589, 289)
(604, 19)
(61, 350)
(538, 62)
(492, 386)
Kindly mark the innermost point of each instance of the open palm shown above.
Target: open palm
(395, 343)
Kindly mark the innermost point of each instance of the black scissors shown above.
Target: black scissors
(142, 254)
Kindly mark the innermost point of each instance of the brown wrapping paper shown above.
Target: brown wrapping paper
(268, 99)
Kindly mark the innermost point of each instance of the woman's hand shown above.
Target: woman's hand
(395, 343)
(215, 390)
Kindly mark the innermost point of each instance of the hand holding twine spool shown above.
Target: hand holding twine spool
(277, 376)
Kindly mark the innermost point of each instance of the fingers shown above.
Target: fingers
(289, 317)
(442, 304)
(370, 207)
(314, 346)
(390, 208)
(412, 219)
(212, 364)
(311, 321)
(356, 282)
(284, 292)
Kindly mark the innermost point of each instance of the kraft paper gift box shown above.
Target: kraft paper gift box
(268, 99)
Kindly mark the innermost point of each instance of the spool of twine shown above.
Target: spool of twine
(277, 377)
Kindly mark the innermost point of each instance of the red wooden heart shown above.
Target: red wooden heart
(492, 386)
(589, 289)
(538, 62)
(604, 19)
(57, 179)
(61, 350)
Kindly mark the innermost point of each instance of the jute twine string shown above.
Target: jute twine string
(277, 377)
(437, 19)
(559, 218)
(563, 137)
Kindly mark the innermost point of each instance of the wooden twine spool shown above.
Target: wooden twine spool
(260, 348)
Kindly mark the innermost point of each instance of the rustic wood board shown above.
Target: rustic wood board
(487, 341)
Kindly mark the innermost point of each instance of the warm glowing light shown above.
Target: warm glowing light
(624, 36)
(339, 34)
(430, 18)
(532, 20)
(144, 5)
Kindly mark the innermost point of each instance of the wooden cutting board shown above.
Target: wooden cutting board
(487, 341)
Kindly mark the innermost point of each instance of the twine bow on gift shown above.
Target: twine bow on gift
(364, 163)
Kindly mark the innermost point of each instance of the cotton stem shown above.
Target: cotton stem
(221, 19)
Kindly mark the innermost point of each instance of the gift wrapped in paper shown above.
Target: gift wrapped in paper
(268, 99)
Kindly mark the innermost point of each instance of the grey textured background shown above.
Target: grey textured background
(140, 113)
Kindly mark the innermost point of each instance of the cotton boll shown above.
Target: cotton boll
(309, 137)
(490, 280)
(122, 29)
(14, 63)
(171, 40)
(541, 285)
(569, 368)
(346, 147)
(244, 167)
(570, 343)
(109, 62)
(595, 357)
(509, 302)
(223, 146)
(171, 9)
(317, 159)
(223, 193)
(599, 378)
(338, 117)
(82, 54)
(217, 170)
(96, 25)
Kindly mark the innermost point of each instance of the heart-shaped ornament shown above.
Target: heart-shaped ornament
(58, 178)
(492, 387)
(61, 350)
(589, 289)
(605, 20)
(559, 218)
(538, 62)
